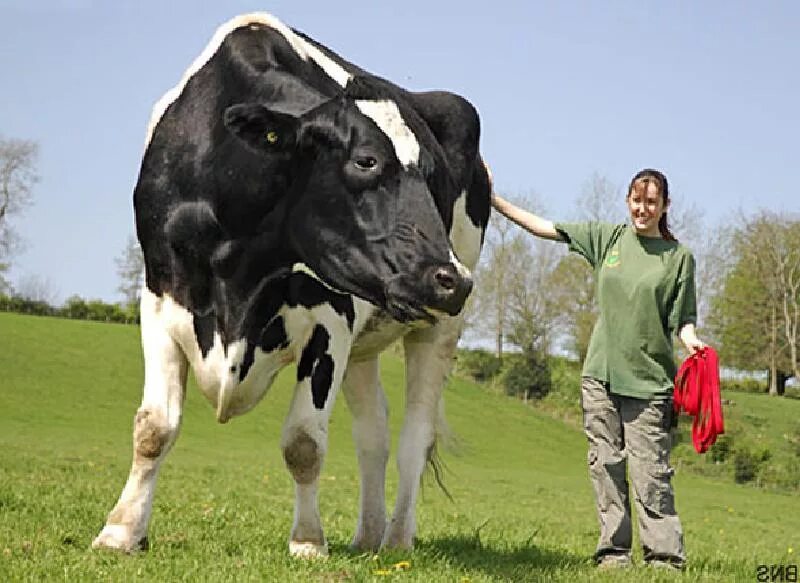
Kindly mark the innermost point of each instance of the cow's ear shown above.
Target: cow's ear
(262, 129)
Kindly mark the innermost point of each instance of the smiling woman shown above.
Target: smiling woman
(646, 292)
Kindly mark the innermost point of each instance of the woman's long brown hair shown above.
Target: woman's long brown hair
(651, 176)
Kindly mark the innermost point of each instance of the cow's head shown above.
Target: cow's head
(360, 212)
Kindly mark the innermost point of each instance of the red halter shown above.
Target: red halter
(697, 393)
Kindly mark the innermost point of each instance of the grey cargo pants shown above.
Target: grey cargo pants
(633, 434)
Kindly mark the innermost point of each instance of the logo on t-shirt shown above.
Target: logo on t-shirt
(612, 259)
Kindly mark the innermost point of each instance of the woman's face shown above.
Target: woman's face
(646, 207)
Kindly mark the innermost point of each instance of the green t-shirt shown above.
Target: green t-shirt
(645, 291)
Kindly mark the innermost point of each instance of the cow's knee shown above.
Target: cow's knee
(303, 457)
(151, 433)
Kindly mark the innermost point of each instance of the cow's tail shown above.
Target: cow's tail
(444, 438)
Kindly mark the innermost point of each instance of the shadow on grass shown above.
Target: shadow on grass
(520, 561)
(497, 558)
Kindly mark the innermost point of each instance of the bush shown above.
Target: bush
(744, 385)
(784, 475)
(479, 364)
(747, 463)
(527, 377)
(745, 466)
(721, 450)
(793, 437)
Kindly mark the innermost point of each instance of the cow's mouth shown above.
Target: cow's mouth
(404, 310)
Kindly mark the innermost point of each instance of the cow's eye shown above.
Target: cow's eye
(365, 162)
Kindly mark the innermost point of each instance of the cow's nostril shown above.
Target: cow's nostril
(445, 278)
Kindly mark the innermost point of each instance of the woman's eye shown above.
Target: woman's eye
(365, 163)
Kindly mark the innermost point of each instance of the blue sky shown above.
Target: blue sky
(706, 91)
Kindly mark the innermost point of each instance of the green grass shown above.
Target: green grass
(522, 508)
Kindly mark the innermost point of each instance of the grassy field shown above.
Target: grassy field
(522, 508)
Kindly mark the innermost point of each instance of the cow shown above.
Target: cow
(294, 208)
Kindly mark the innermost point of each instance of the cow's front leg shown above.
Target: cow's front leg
(429, 357)
(305, 433)
(155, 428)
(367, 403)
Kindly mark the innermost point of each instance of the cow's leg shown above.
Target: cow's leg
(367, 403)
(429, 357)
(305, 433)
(154, 431)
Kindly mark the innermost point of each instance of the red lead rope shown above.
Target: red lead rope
(697, 393)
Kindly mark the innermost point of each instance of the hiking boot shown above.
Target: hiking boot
(666, 564)
(613, 561)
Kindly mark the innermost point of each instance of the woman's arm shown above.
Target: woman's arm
(528, 221)
(689, 338)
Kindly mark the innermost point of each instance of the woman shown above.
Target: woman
(645, 290)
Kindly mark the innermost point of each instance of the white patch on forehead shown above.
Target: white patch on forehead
(301, 47)
(387, 117)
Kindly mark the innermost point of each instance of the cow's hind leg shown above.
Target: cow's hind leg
(305, 433)
(155, 428)
(367, 403)
(429, 357)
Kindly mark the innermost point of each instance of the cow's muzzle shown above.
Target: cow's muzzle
(436, 291)
(450, 286)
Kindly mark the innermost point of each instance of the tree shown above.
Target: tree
(37, 289)
(571, 288)
(17, 176)
(756, 313)
(506, 255)
(572, 282)
(130, 269)
(75, 307)
(514, 305)
(532, 313)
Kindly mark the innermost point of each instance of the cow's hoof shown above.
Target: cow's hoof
(308, 550)
(365, 544)
(117, 538)
(399, 541)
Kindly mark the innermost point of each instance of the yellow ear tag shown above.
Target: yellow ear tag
(272, 137)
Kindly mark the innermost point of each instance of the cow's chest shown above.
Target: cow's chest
(234, 377)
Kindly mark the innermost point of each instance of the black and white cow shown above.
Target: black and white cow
(292, 207)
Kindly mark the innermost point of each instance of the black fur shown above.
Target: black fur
(253, 168)
(316, 363)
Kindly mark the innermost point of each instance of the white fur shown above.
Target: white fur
(307, 538)
(387, 117)
(303, 268)
(465, 236)
(429, 358)
(170, 345)
(301, 47)
(367, 403)
(164, 387)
